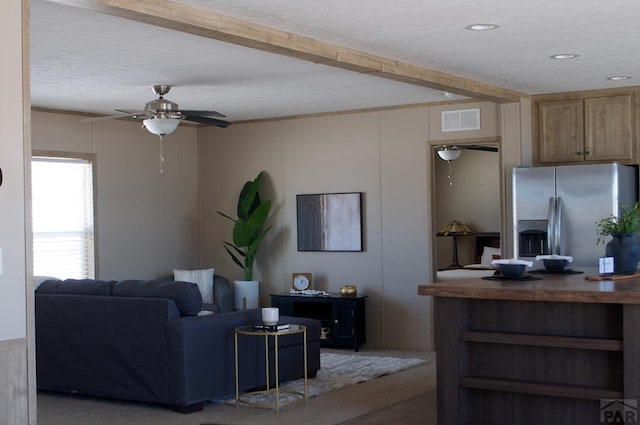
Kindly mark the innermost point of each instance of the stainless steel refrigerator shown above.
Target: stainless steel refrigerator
(555, 208)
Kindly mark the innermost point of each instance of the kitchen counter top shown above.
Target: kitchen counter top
(551, 287)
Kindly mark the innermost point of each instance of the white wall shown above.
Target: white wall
(17, 387)
(406, 218)
(516, 150)
(13, 321)
(146, 221)
(383, 154)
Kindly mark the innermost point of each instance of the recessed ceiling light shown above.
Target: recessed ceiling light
(482, 27)
(618, 77)
(564, 56)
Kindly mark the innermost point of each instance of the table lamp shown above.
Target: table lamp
(455, 229)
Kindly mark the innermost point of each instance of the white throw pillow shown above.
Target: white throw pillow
(204, 279)
(489, 254)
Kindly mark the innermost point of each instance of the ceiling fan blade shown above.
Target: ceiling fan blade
(136, 114)
(203, 113)
(463, 146)
(206, 120)
(106, 117)
(110, 117)
(480, 148)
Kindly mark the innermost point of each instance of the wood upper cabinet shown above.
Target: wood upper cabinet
(608, 128)
(561, 131)
(590, 129)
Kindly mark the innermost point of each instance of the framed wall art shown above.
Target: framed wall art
(329, 221)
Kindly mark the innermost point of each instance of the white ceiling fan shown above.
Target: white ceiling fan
(162, 116)
(450, 153)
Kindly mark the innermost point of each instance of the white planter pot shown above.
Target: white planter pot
(245, 294)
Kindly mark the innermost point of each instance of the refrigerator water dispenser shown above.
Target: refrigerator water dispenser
(533, 238)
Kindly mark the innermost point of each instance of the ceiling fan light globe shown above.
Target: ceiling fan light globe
(161, 126)
(449, 154)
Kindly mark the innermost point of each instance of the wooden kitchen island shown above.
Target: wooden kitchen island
(535, 352)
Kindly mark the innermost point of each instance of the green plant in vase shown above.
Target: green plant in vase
(248, 231)
(623, 246)
(626, 222)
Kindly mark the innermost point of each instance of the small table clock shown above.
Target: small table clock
(301, 281)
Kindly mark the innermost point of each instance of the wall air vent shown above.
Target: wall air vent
(461, 120)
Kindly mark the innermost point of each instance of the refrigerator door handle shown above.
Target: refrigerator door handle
(551, 226)
(558, 224)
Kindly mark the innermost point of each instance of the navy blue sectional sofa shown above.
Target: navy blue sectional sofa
(144, 341)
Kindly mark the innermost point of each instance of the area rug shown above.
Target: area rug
(338, 371)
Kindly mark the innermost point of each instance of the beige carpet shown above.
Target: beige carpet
(331, 408)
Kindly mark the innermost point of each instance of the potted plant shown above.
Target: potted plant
(248, 233)
(623, 246)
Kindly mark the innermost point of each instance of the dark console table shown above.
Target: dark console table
(343, 317)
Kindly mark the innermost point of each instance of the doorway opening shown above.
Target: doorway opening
(467, 196)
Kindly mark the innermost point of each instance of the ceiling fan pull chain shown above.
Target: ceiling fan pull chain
(161, 154)
(450, 176)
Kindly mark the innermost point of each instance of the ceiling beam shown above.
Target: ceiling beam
(167, 14)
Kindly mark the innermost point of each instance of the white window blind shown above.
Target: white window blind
(63, 232)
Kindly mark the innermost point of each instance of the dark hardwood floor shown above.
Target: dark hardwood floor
(418, 411)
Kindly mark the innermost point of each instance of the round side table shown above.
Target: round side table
(253, 331)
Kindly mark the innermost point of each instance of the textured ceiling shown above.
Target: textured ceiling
(82, 60)
(431, 33)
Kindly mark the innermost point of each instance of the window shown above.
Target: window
(63, 234)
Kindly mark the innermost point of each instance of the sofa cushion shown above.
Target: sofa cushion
(76, 287)
(49, 286)
(204, 279)
(186, 294)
